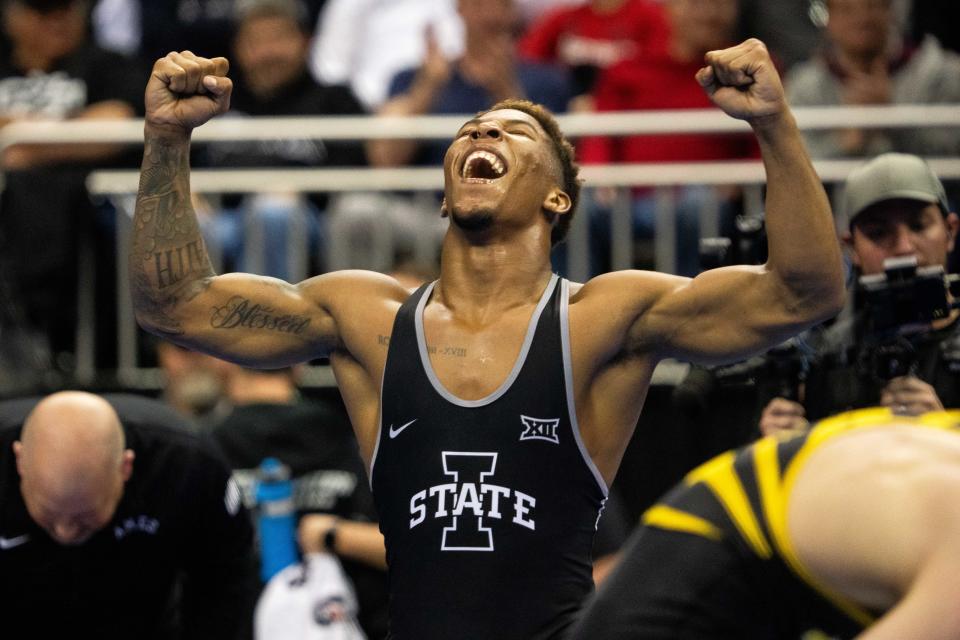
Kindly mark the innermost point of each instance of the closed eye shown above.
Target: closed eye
(521, 132)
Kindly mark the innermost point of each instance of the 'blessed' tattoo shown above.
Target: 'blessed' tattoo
(242, 313)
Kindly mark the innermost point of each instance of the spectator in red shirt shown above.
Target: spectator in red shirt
(665, 80)
(591, 37)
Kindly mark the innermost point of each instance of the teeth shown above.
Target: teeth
(472, 162)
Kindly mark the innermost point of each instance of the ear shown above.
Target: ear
(846, 240)
(443, 208)
(126, 464)
(557, 202)
(952, 221)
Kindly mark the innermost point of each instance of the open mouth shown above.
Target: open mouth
(483, 166)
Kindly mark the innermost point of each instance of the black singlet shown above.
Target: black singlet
(488, 506)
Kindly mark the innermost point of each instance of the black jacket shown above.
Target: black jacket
(176, 561)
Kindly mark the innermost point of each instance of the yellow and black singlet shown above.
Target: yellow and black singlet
(713, 558)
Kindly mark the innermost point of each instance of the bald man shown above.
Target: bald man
(117, 522)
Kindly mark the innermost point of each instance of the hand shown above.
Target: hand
(435, 68)
(185, 91)
(743, 81)
(783, 417)
(867, 87)
(910, 396)
(312, 531)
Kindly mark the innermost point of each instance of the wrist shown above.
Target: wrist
(165, 131)
(774, 125)
(328, 539)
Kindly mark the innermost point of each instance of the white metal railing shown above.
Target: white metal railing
(745, 173)
(442, 127)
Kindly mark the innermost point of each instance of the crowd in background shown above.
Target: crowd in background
(79, 59)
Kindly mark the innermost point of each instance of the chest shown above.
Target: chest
(471, 362)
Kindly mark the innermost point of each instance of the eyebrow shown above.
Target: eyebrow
(506, 123)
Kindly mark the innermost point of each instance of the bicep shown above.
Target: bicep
(255, 321)
(721, 315)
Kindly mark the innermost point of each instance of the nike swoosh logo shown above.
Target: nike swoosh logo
(10, 543)
(395, 432)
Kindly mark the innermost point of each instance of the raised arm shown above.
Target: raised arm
(728, 313)
(254, 320)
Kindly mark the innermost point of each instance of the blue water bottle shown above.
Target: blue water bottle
(276, 519)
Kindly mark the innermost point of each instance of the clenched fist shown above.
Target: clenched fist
(185, 91)
(743, 81)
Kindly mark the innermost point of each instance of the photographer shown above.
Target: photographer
(892, 347)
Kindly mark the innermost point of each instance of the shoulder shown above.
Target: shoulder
(356, 300)
(350, 287)
(930, 50)
(934, 64)
(643, 286)
(618, 299)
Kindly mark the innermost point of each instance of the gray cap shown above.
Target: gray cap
(891, 176)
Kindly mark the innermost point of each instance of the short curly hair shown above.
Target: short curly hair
(565, 154)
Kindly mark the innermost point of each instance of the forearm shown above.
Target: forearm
(361, 541)
(417, 101)
(168, 259)
(25, 156)
(89, 152)
(804, 252)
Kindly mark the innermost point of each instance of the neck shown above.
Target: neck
(477, 44)
(865, 60)
(860, 61)
(481, 279)
(684, 52)
(264, 89)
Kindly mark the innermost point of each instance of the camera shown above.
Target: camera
(902, 301)
(777, 373)
(905, 298)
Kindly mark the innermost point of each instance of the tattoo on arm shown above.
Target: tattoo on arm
(168, 259)
(241, 313)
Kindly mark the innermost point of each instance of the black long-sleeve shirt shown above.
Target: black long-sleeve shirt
(176, 560)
